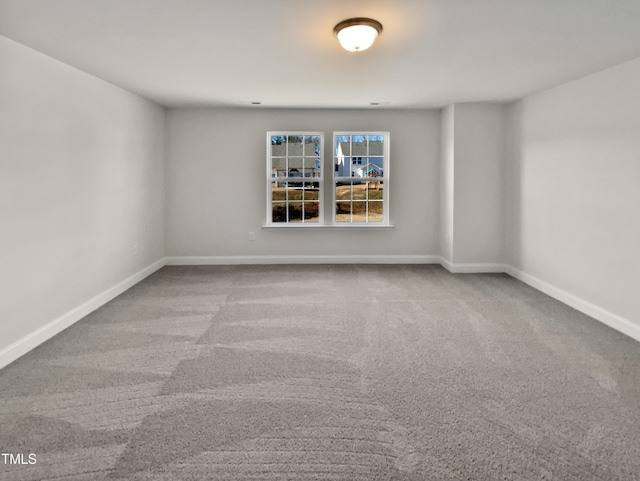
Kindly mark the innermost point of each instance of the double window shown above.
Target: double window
(295, 179)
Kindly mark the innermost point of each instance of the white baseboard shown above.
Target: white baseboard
(471, 268)
(318, 259)
(37, 337)
(612, 320)
(29, 342)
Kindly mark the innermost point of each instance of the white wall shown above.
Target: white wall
(81, 183)
(574, 176)
(479, 146)
(447, 155)
(472, 186)
(216, 189)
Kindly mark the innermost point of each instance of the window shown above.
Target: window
(361, 174)
(294, 177)
(295, 180)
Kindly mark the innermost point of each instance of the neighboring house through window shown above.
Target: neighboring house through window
(361, 174)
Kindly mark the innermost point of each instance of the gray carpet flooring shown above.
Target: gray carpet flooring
(326, 373)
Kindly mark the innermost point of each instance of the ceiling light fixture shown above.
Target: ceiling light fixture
(357, 34)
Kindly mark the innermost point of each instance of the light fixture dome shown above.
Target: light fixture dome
(357, 34)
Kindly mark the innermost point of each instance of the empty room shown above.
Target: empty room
(333, 240)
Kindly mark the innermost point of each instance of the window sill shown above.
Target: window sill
(346, 225)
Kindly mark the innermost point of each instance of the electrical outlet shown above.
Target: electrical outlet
(252, 236)
(134, 249)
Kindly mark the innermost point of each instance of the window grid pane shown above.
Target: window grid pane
(296, 157)
(360, 161)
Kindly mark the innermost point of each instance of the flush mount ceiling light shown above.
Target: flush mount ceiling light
(357, 34)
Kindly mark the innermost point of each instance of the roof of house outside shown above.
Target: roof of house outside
(307, 149)
(368, 169)
(359, 149)
(299, 163)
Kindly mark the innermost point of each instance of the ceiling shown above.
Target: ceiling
(283, 53)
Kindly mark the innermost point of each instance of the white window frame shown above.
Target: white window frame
(319, 180)
(385, 179)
